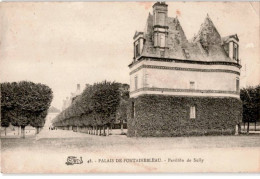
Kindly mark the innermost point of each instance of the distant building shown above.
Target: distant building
(67, 102)
(52, 113)
(183, 87)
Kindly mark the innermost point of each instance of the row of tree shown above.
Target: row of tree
(96, 108)
(24, 103)
(250, 97)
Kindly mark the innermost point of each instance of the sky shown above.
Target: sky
(62, 44)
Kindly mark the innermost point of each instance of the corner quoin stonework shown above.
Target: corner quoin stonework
(181, 87)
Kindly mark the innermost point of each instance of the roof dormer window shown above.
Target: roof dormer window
(138, 47)
(137, 50)
(235, 52)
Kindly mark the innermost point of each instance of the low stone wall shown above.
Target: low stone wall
(158, 115)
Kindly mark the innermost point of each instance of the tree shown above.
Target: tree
(23, 100)
(37, 120)
(105, 102)
(250, 97)
(122, 113)
(95, 107)
(4, 122)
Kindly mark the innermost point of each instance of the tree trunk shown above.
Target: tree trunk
(18, 129)
(100, 131)
(5, 131)
(96, 130)
(248, 127)
(37, 130)
(107, 130)
(110, 131)
(255, 125)
(122, 127)
(104, 131)
(22, 132)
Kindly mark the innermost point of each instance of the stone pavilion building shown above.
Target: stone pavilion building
(183, 87)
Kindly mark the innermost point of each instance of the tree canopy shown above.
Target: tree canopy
(24, 103)
(96, 106)
(250, 97)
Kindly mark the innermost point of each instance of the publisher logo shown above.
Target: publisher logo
(71, 160)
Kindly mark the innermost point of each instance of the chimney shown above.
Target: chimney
(160, 25)
(160, 12)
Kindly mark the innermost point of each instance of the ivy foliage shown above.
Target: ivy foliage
(159, 115)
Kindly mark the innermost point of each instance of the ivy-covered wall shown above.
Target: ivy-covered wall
(158, 115)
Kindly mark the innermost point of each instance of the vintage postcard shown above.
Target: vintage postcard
(130, 87)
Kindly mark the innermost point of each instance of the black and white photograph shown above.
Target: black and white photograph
(130, 87)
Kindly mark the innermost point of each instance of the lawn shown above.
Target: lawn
(48, 152)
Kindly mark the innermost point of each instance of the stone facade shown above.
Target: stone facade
(181, 78)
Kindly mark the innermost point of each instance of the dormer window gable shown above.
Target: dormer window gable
(232, 40)
(138, 35)
(231, 46)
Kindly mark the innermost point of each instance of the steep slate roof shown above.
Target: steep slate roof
(205, 46)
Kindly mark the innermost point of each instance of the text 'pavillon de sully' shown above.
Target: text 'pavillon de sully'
(183, 87)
